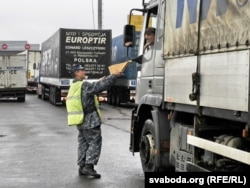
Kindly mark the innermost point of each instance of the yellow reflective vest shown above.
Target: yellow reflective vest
(74, 104)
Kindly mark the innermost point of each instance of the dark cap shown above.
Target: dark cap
(76, 68)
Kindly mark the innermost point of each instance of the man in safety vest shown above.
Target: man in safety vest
(83, 112)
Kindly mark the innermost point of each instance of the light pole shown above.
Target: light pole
(99, 14)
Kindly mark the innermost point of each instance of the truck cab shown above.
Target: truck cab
(149, 94)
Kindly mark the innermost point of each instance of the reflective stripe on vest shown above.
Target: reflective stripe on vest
(74, 104)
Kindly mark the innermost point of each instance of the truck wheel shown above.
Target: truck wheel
(21, 99)
(113, 96)
(52, 95)
(118, 97)
(109, 96)
(147, 147)
(43, 93)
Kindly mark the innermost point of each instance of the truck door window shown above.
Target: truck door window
(152, 18)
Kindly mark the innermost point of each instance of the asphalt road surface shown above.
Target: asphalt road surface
(39, 150)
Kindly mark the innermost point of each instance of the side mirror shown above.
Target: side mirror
(129, 36)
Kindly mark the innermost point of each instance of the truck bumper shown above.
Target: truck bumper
(12, 93)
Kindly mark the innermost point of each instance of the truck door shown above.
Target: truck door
(150, 73)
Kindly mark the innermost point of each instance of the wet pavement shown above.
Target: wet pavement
(38, 149)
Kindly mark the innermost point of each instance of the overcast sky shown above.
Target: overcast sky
(36, 20)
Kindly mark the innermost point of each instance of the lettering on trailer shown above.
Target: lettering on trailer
(12, 71)
(221, 8)
(85, 48)
(84, 60)
(86, 38)
(17, 67)
(91, 48)
(86, 33)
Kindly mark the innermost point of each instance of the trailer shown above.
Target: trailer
(123, 91)
(65, 48)
(13, 70)
(13, 79)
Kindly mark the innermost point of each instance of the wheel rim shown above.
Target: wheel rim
(147, 150)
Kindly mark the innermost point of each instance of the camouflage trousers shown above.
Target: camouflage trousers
(89, 146)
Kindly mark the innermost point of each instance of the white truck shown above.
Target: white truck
(192, 97)
(13, 69)
(13, 77)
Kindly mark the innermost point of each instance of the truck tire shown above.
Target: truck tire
(21, 99)
(118, 97)
(52, 95)
(113, 96)
(147, 147)
(109, 96)
(43, 93)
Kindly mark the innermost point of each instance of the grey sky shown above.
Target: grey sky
(36, 20)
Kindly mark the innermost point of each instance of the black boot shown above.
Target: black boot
(80, 170)
(89, 171)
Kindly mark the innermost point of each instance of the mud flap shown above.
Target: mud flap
(132, 131)
(162, 133)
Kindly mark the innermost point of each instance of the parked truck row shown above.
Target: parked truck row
(192, 109)
(46, 71)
